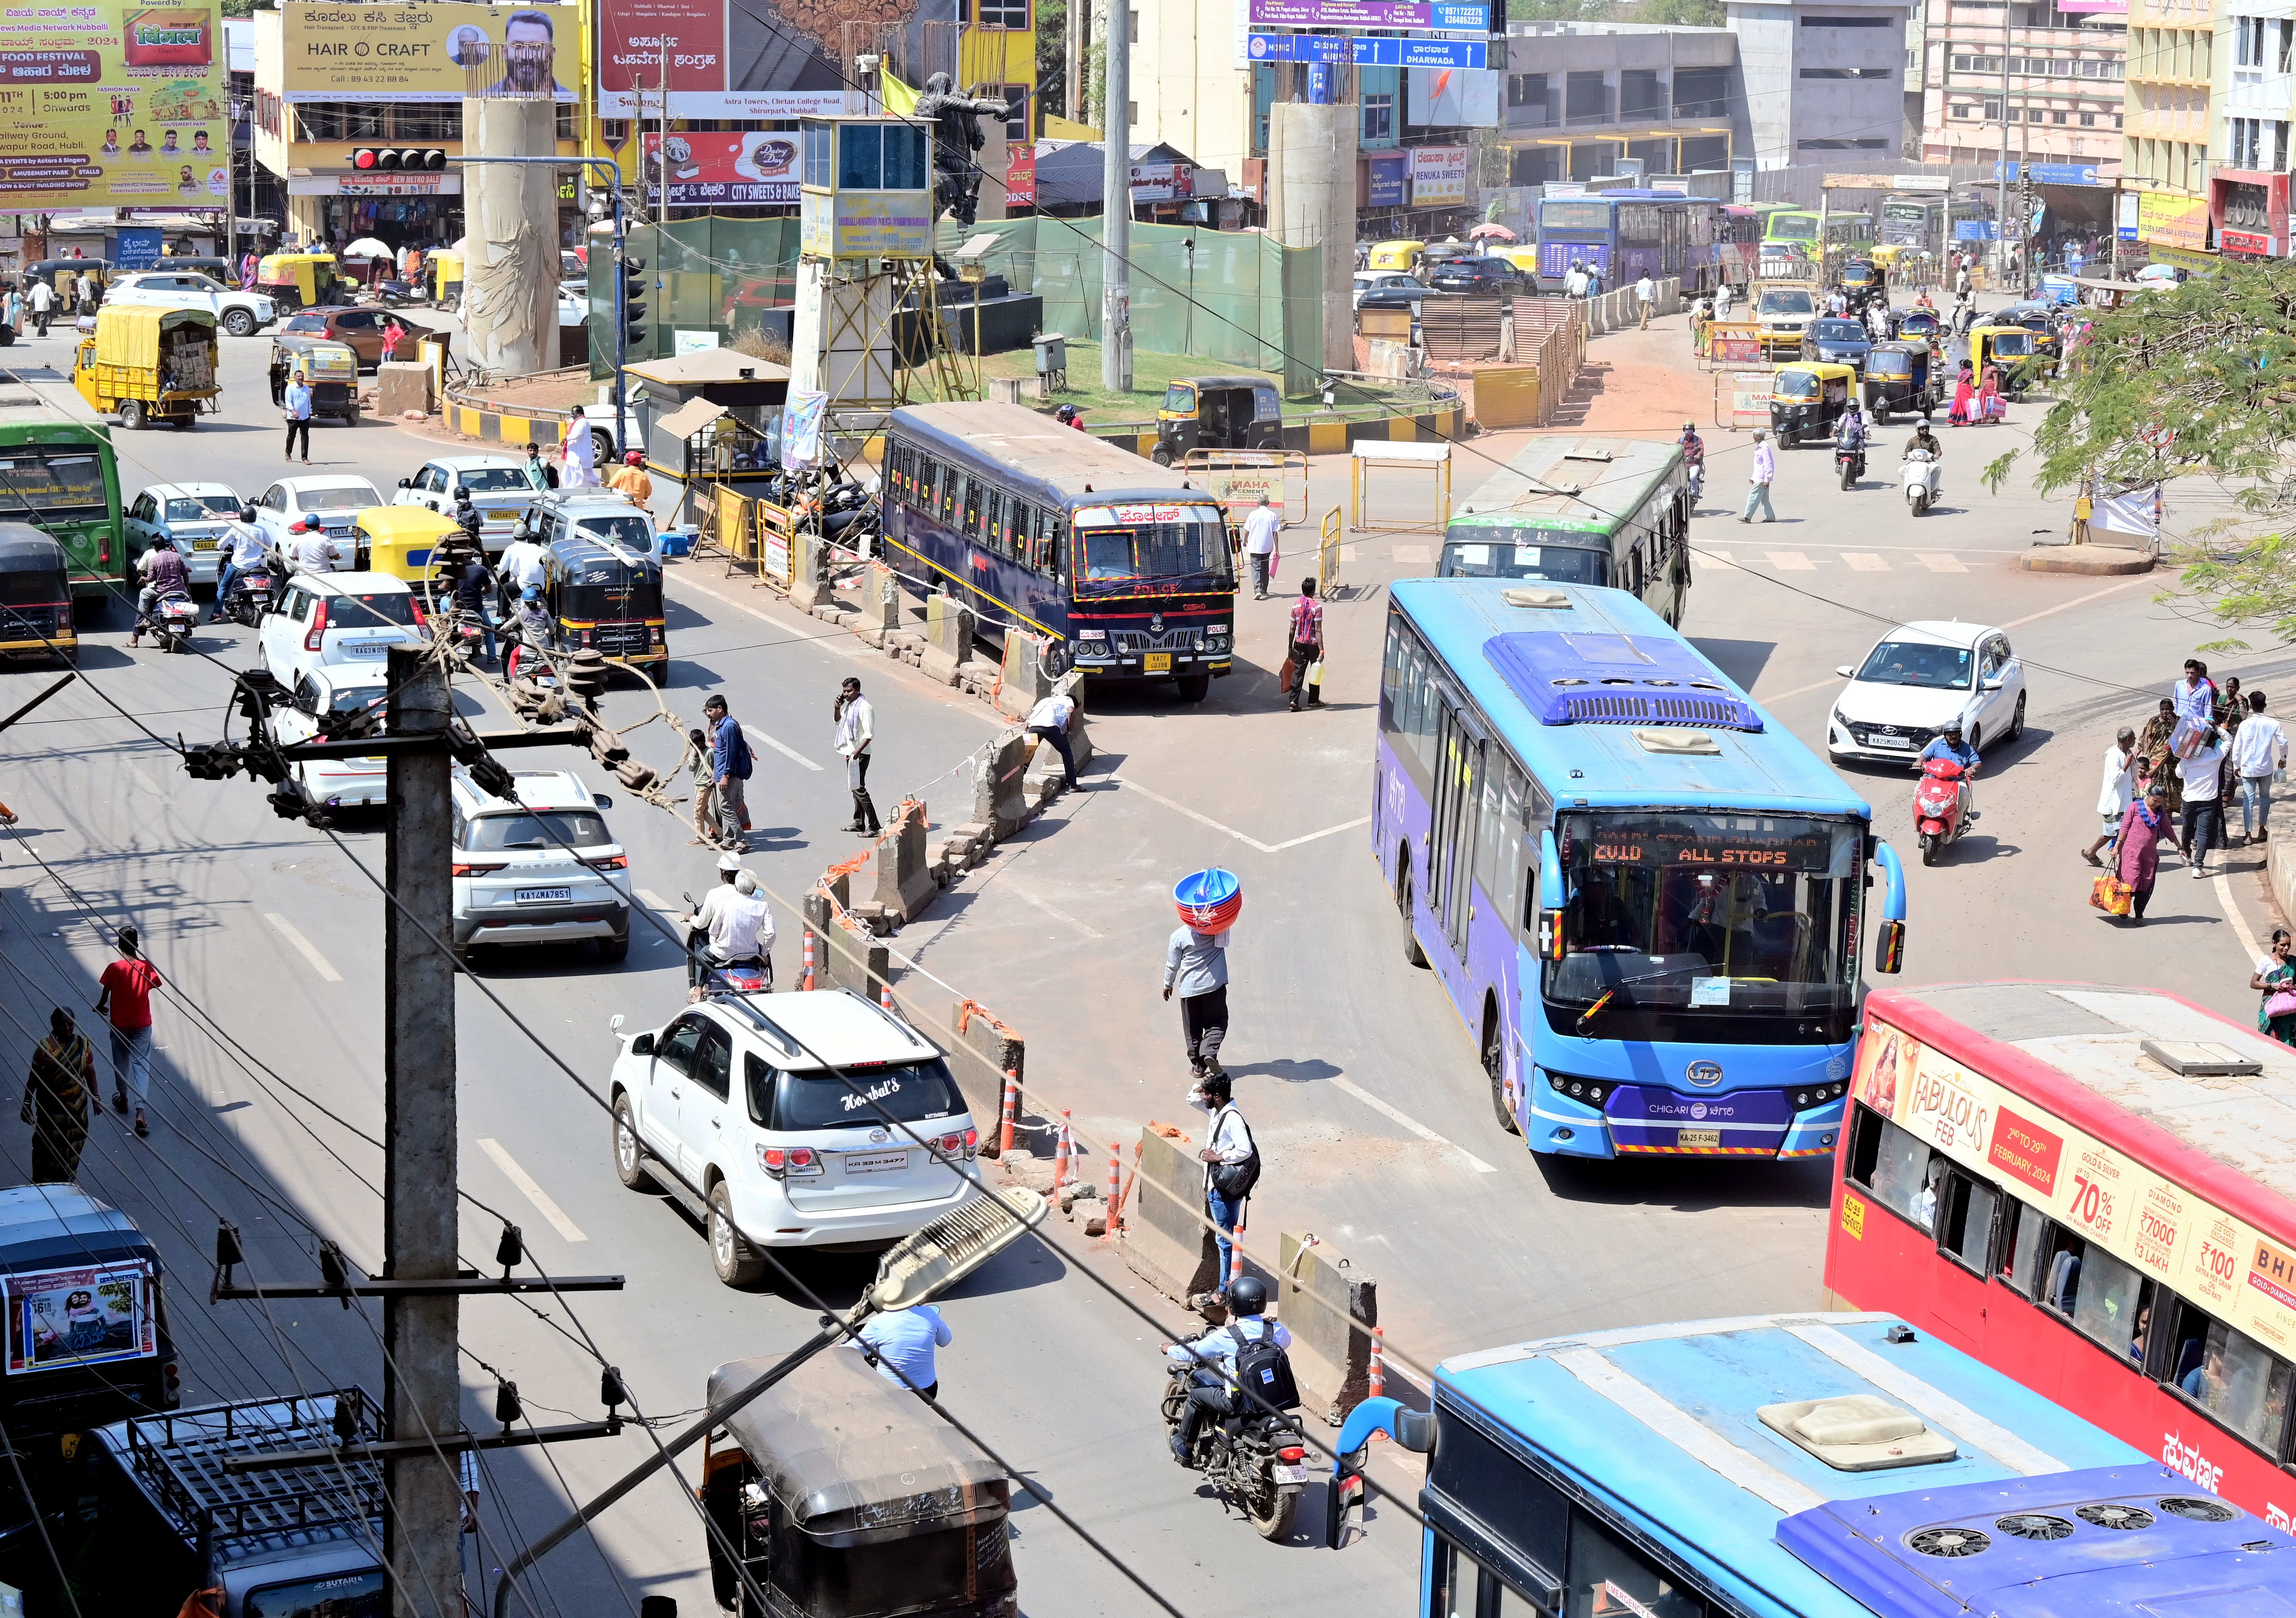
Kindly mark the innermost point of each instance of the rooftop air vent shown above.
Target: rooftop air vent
(2197, 1511)
(1570, 678)
(1947, 1541)
(2201, 1060)
(1858, 1433)
(1535, 598)
(2111, 1514)
(1678, 743)
(2034, 1526)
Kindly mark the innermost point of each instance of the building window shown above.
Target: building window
(1135, 16)
(1992, 111)
(1853, 22)
(1840, 146)
(1378, 117)
(564, 123)
(363, 122)
(2243, 140)
(2248, 42)
(614, 131)
(1016, 126)
(1850, 72)
(2056, 118)
(1965, 111)
(1004, 14)
(2088, 121)
(2279, 145)
(2287, 45)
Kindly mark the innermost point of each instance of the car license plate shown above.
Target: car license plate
(1893, 740)
(543, 896)
(1289, 1474)
(203, 545)
(1697, 1138)
(1156, 662)
(366, 648)
(876, 1163)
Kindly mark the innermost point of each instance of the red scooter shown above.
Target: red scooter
(1937, 806)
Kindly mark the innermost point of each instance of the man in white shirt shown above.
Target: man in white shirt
(2259, 751)
(1260, 531)
(2202, 775)
(704, 920)
(856, 727)
(578, 452)
(312, 551)
(2112, 796)
(242, 545)
(524, 564)
(744, 927)
(1575, 282)
(1722, 301)
(42, 301)
(1048, 721)
(1646, 298)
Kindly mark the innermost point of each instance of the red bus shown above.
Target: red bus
(2089, 1188)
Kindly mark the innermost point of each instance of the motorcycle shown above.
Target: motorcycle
(712, 978)
(1920, 474)
(1697, 482)
(1938, 807)
(1850, 464)
(249, 600)
(1254, 1457)
(173, 618)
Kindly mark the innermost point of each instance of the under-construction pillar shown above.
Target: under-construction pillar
(1311, 200)
(510, 215)
(423, 1535)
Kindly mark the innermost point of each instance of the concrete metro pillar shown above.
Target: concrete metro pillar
(510, 212)
(1311, 200)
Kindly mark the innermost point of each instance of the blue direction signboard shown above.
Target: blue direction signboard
(1298, 47)
(2050, 174)
(1369, 52)
(1456, 16)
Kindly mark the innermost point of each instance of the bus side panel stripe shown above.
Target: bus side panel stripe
(1673, 1425)
(1932, 1406)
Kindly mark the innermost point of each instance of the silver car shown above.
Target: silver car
(540, 871)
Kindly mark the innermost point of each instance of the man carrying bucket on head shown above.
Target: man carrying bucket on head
(1195, 960)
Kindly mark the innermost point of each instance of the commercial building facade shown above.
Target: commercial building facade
(2045, 80)
(2171, 70)
(1579, 95)
(1825, 78)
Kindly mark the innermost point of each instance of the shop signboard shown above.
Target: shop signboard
(1020, 177)
(1391, 182)
(112, 104)
(749, 59)
(2250, 210)
(1439, 176)
(2050, 174)
(426, 52)
(136, 249)
(743, 168)
(2172, 221)
(1161, 182)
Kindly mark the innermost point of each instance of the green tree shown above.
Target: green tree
(2196, 382)
(1681, 13)
(1052, 55)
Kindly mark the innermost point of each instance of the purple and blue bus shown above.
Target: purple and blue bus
(1641, 893)
(1624, 233)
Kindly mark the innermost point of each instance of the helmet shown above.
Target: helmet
(1066, 412)
(1951, 727)
(1247, 1296)
(247, 514)
(532, 592)
(636, 457)
(1691, 427)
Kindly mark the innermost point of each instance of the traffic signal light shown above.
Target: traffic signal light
(633, 308)
(405, 159)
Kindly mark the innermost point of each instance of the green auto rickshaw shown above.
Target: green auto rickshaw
(1218, 413)
(1806, 399)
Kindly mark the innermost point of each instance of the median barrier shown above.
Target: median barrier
(904, 883)
(949, 638)
(1001, 1050)
(1021, 681)
(1331, 1325)
(998, 802)
(808, 571)
(879, 604)
(1165, 1240)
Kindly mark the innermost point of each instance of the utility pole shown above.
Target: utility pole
(661, 157)
(2001, 173)
(1079, 20)
(422, 1534)
(1116, 202)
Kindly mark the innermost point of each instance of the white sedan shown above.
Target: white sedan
(1917, 676)
(334, 498)
(1368, 280)
(240, 314)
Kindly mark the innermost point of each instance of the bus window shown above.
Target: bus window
(2107, 1295)
(1894, 1165)
(2021, 1230)
(1966, 1234)
(2233, 1378)
(1458, 1583)
(1610, 1578)
(973, 492)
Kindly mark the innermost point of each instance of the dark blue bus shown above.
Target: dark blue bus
(1116, 563)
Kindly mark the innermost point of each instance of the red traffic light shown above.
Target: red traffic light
(366, 157)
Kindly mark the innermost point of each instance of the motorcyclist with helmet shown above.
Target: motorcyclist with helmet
(1948, 744)
(1925, 440)
(242, 547)
(165, 574)
(1070, 416)
(1213, 1391)
(1694, 456)
(1849, 436)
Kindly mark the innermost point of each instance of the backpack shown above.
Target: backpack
(738, 762)
(1263, 1369)
(1234, 1181)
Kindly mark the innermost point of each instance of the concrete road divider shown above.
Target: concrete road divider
(998, 801)
(1022, 680)
(903, 883)
(809, 570)
(1167, 1240)
(949, 638)
(1001, 1050)
(1331, 1347)
(881, 606)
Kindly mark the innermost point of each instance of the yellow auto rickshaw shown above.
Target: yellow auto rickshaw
(36, 596)
(331, 367)
(1218, 413)
(298, 281)
(399, 540)
(145, 362)
(2015, 350)
(446, 272)
(1806, 399)
(1395, 255)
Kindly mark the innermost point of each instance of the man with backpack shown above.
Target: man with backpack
(730, 763)
(1240, 1367)
(1231, 1160)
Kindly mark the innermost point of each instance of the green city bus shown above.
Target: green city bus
(60, 474)
(1581, 510)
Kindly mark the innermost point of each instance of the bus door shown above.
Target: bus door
(1458, 785)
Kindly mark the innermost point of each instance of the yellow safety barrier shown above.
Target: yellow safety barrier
(1327, 553)
(1364, 456)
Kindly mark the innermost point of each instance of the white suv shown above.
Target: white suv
(240, 314)
(538, 871)
(732, 1106)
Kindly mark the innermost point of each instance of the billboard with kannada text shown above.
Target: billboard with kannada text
(112, 104)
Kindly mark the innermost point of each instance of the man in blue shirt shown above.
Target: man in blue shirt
(1212, 1389)
(729, 759)
(297, 402)
(902, 1341)
(1948, 744)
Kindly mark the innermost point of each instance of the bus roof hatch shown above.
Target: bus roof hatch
(1568, 678)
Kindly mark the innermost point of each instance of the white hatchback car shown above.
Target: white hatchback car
(731, 1108)
(240, 314)
(334, 498)
(539, 871)
(351, 619)
(320, 691)
(1916, 677)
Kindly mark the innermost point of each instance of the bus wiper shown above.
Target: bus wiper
(1587, 1016)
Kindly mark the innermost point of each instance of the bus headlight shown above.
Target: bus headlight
(1216, 645)
(1819, 1095)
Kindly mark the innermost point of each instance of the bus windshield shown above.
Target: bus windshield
(1574, 216)
(1678, 909)
(1526, 553)
(57, 482)
(1124, 545)
(1793, 227)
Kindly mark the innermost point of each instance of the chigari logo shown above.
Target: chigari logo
(1698, 1110)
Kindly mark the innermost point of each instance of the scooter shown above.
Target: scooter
(711, 978)
(1920, 475)
(249, 600)
(1938, 807)
(173, 618)
(1697, 482)
(1850, 464)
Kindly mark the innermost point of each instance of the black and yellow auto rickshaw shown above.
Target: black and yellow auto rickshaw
(1921, 325)
(2014, 352)
(331, 367)
(300, 280)
(1806, 399)
(1861, 283)
(842, 1496)
(1218, 413)
(1899, 377)
(62, 277)
(36, 605)
(444, 271)
(597, 597)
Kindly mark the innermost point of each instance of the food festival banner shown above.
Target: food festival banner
(58, 1319)
(426, 52)
(112, 104)
(748, 166)
(2228, 1267)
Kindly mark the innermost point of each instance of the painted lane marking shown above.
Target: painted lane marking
(1942, 565)
(783, 748)
(1865, 562)
(1791, 561)
(286, 930)
(533, 1192)
(1410, 1123)
(1252, 842)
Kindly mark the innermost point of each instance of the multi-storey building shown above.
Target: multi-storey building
(2252, 103)
(2171, 58)
(2047, 76)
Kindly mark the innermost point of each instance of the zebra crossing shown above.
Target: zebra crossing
(1738, 558)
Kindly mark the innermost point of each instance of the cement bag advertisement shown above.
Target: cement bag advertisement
(92, 1315)
(111, 104)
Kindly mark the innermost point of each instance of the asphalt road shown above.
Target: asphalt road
(1363, 1085)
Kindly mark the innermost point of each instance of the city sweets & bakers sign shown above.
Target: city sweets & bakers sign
(2226, 1265)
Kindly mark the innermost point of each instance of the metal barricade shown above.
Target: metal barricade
(1742, 398)
(776, 532)
(1327, 553)
(1731, 344)
(1237, 478)
(1366, 454)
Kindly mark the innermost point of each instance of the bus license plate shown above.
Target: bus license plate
(1156, 662)
(876, 1163)
(1690, 1140)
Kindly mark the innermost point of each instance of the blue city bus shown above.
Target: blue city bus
(1116, 563)
(1641, 894)
(1813, 1465)
(1624, 233)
